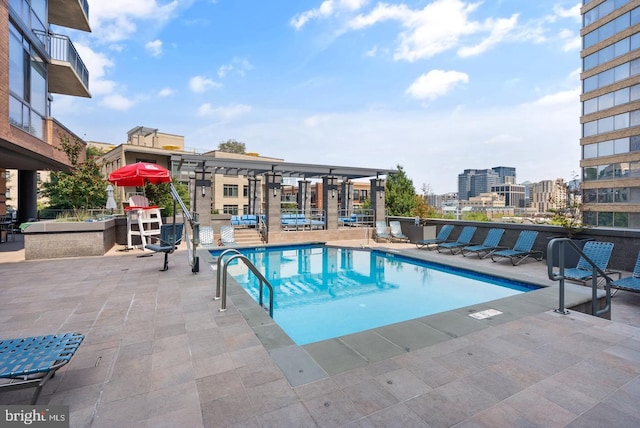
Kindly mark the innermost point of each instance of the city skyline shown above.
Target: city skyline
(436, 86)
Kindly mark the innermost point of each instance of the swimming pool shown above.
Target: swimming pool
(324, 292)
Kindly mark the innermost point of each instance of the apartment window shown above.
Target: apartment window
(27, 85)
(611, 123)
(7, 193)
(230, 191)
(245, 191)
(607, 77)
(230, 209)
(245, 209)
(610, 28)
(610, 52)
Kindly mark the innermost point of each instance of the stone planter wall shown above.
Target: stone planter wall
(51, 239)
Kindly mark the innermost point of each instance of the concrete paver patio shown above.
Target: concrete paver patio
(158, 352)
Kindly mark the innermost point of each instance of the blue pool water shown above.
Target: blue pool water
(324, 292)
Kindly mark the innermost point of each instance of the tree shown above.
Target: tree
(232, 146)
(160, 195)
(400, 194)
(82, 187)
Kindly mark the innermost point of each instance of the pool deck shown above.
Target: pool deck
(158, 352)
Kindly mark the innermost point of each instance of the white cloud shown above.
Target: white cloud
(115, 20)
(154, 47)
(326, 9)
(199, 84)
(316, 120)
(559, 98)
(499, 30)
(436, 83)
(570, 40)
(239, 65)
(572, 12)
(166, 92)
(117, 102)
(98, 64)
(222, 112)
(436, 28)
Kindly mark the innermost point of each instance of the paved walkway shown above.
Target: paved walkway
(159, 353)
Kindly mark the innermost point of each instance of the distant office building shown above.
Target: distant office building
(611, 112)
(473, 182)
(548, 194)
(507, 174)
(514, 194)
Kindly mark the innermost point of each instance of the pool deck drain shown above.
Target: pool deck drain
(485, 314)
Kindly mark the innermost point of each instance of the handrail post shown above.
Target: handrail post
(252, 268)
(560, 277)
(219, 270)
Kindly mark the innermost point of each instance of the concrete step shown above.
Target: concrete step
(248, 236)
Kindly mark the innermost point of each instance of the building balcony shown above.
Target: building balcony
(67, 73)
(70, 14)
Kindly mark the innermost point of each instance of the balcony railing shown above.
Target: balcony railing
(62, 81)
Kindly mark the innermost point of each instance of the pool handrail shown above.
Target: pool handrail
(559, 276)
(256, 272)
(219, 270)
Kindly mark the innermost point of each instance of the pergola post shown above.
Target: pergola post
(273, 189)
(304, 197)
(346, 199)
(377, 199)
(330, 201)
(253, 197)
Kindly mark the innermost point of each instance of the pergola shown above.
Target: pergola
(274, 170)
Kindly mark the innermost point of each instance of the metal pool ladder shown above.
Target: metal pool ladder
(221, 286)
(559, 276)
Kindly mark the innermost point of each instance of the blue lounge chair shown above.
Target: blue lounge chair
(630, 283)
(170, 237)
(491, 243)
(396, 232)
(442, 236)
(521, 250)
(227, 236)
(381, 231)
(31, 361)
(599, 253)
(463, 240)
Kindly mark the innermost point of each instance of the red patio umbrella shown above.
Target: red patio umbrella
(138, 174)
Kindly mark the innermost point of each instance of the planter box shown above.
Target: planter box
(52, 239)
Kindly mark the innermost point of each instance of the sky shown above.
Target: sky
(434, 86)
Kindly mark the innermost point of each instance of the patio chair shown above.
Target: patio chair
(396, 232)
(30, 362)
(381, 231)
(206, 236)
(629, 283)
(490, 244)
(522, 249)
(227, 236)
(463, 240)
(442, 236)
(599, 253)
(138, 201)
(169, 239)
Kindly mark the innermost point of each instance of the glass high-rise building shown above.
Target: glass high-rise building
(611, 112)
